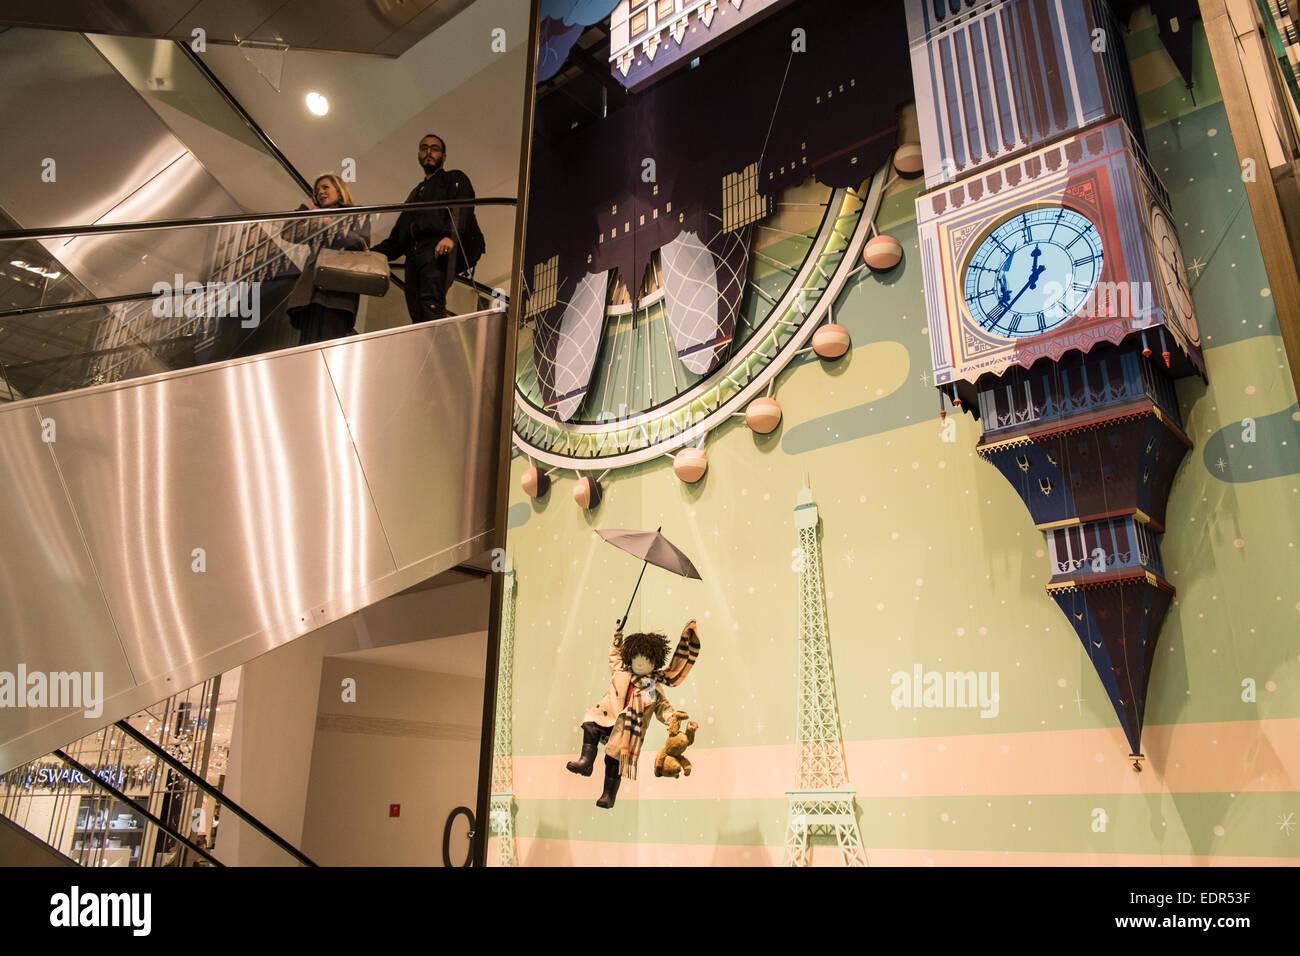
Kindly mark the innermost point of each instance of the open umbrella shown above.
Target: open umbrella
(653, 548)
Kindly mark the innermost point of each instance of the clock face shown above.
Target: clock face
(1173, 274)
(1033, 272)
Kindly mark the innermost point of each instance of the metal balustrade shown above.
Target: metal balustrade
(1071, 550)
(1072, 390)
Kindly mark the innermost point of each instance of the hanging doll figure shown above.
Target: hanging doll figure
(635, 690)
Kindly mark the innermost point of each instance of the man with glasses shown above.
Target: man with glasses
(437, 243)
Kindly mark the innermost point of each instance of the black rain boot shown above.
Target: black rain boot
(612, 779)
(590, 739)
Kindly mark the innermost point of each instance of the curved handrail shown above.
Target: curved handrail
(96, 780)
(211, 791)
(63, 232)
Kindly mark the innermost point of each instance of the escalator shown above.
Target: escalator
(136, 793)
(187, 486)
(166, 520)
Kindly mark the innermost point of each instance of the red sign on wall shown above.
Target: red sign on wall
(394, 809)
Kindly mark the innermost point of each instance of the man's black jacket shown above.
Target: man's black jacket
(430, 225)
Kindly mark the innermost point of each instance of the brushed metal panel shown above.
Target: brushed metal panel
(424, 414)
(123, 263)
(115, 161)
(248, 461)
(52, 615)
(226, 19)
(306, 23)
(71, 106)
(429, 19)
(299, 23)
(149, 17)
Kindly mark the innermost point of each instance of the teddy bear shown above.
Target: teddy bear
(671, 760)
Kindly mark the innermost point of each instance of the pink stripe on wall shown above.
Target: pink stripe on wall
(1238, 756)
(545, 852)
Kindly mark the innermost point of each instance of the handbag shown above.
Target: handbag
(363, 273)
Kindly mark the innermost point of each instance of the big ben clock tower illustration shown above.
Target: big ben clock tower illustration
(1057, 301)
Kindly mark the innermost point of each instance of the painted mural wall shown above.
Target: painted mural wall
(932, 566)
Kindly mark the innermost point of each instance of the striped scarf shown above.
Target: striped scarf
(641, 695)
(688, 649)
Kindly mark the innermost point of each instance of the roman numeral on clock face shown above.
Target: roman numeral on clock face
(1059, 214)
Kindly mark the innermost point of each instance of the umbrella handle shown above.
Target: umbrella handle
(635, 589)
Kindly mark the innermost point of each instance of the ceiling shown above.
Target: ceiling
(378, 27)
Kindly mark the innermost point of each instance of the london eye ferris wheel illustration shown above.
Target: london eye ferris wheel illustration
(685, 246)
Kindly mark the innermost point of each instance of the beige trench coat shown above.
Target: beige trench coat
(608, 711)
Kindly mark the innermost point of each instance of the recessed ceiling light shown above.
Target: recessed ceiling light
(317, 103)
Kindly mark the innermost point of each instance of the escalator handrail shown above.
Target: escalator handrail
(147, 225)
(97, 780)
(478, 287)
(244, 115)
(213, 792)
(215, 82)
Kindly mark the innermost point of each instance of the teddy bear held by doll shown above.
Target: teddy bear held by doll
(636, 690)
(671, 760)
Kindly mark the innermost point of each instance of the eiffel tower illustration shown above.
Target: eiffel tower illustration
(822, 801)
(501, 803)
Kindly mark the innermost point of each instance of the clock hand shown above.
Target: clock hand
(1034, 273)
(1176, 268)
(1003, 291)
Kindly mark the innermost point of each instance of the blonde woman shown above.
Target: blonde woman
(320, 314)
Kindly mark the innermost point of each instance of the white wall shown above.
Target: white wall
(321, 772)
(411, 738)
(270, 747)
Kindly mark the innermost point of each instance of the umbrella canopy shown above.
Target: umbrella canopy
(652, 547)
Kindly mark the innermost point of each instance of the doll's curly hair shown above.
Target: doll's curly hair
(653, 647)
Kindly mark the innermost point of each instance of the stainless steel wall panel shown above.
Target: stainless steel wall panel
(410, 400)
(297, 23)
(253, 461)
(52, 614)
(249, 463)
(124, 263)
(131, 16)
(114, 160)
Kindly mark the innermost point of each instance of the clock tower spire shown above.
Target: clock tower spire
(1057, 301)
